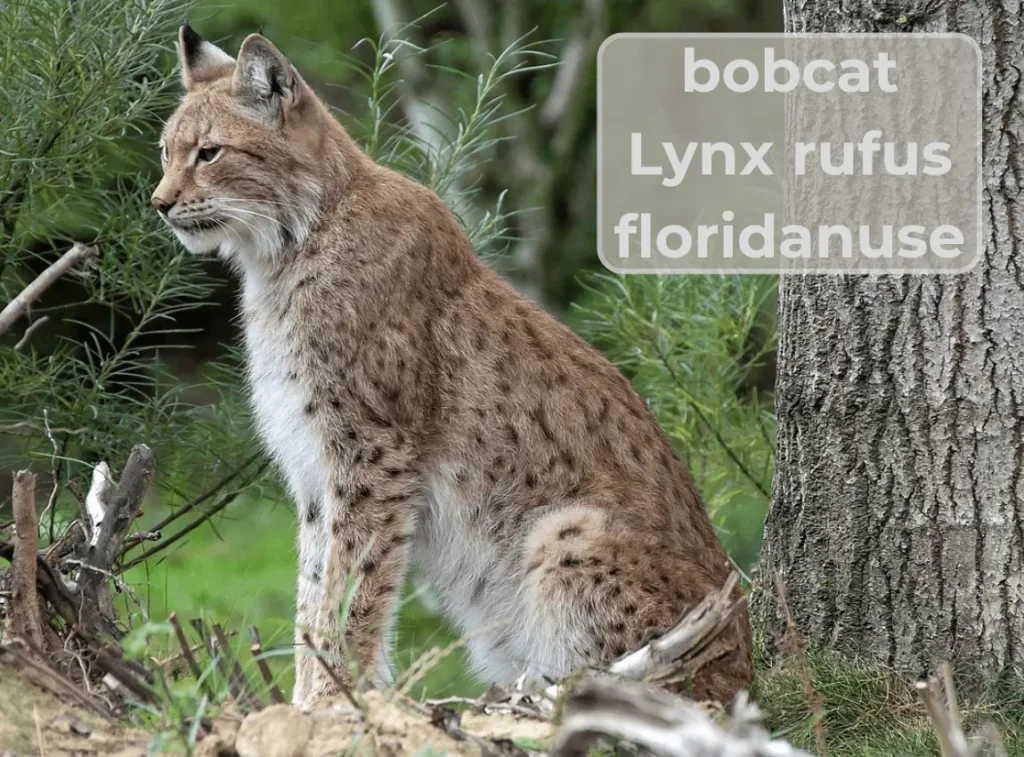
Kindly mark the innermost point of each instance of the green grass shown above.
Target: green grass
(240, 570)
(867, 711)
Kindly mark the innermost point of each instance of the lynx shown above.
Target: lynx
(422, 412)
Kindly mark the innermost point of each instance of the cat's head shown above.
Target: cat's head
(248, 155)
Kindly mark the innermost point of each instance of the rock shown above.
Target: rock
(277, 731)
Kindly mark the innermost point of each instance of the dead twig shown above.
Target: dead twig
(50, 679)
(940, 699)
(50, 584)
(793, 644)
(126, 674)
(268, 679)
(186, 652)
(30, 331)
(331, 672)
(237, 682)
(138, 538)
(211, 492)
(16, 307)
(487, 707)
(226, 500)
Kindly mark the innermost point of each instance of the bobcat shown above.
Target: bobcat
(422, 411)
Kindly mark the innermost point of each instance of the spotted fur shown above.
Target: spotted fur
(421, 410)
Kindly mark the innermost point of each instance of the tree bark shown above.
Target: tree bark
(897, 516)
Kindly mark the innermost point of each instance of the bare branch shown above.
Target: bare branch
(51, 680)
(112, 510)
(676, 651)
(940, 699)
(662, 723)
(25, 619)
(29, 332)
(16, 307)
(226, 500)
(212, 491)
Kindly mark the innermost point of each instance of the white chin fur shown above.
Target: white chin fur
(201, 242)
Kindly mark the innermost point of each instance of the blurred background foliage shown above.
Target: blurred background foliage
(489, 102)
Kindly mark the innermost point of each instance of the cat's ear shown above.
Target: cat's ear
(266, 83)
(201, 61)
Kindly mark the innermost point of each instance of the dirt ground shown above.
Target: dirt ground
(36, 721)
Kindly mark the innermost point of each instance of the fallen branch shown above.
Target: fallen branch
(662, 723)
(679, 652)
(125, 674)
(16, 307)
(50, 679)
(26, 621)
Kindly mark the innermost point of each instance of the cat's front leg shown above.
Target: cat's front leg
(368, 520)
(313, 540)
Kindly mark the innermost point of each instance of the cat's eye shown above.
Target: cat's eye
(207, 154)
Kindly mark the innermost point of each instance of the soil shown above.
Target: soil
(36, 720)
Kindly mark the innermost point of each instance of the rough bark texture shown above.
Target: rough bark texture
(25, 619)
(897, 518)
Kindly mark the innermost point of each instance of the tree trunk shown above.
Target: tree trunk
(897, 517)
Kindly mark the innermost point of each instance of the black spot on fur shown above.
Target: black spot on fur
(565, 533)
(312, 512)
(361, 493)
(479, 589)
(374, 455)
(570, 562)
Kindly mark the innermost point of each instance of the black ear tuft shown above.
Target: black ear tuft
(201, 61)
(191, 45)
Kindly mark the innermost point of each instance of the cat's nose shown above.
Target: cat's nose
(162, 204)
